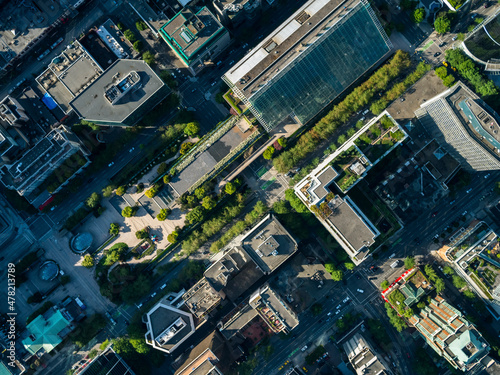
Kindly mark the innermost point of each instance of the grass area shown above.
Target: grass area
(229, 99)
(345, 158)
(346, 180)
(397, 299)
(480, 284)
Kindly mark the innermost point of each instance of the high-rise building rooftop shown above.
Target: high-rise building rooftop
(309, 60)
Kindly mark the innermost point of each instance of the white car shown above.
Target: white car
(138, 305)
(111, 164)
(360, 290)
(304, 348)
(346, 299)
(338, 307)
(337, 312)
(132, 149)
(330, 313)
(163, 286)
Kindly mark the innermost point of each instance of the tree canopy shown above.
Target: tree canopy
(230, 188)
(192, 129)
(442, 24)
(93, 201)
(418, 15)
(88, 261)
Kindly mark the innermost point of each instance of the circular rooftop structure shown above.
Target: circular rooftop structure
(484, 43)
(81, 242)
(48, 270)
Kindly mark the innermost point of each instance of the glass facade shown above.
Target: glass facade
(323, 70)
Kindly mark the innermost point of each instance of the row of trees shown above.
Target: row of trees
(356, 100)
(197, 238)
(251, 218)
(469, 70)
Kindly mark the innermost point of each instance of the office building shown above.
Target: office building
(363, 358)
(450, 335)
(107, 363)
(196, 37)
(465, 127)
(309, 60)
(29, 171)
(121, 95)
(167, 324)
(235, 12)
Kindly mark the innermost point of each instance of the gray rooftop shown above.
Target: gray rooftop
(201, 298)
(269, 244)
(270, 299)
(240, 319)
(362, 358)
(206, 161)
(280, 47)
(351, 224)
(324, 179)
(163, 316)
(92, 105)
(191, 31)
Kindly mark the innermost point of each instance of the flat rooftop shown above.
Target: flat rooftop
(190, 31)
(68, 75)
(440, 164)
(237, 321)
(285, 42)
(161, 318)
(23, 22)
(234, 272)
(207, 160)
(268, 299)
(99, 50)
(201, 298)
(113, 38)
(269, 244)
(362, 358)
(92, 105)
(348, 220)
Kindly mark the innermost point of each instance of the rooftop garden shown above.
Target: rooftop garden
(234, 102)
(379, 139)
(342, 163)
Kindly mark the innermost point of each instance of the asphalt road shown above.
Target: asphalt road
(425, 227)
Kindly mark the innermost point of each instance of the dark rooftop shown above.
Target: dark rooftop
(92, 106)
(201, 298)
(440, 164)
(169, 326)
(190, 31)
(107, 363)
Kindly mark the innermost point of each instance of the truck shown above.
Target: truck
(80, 303)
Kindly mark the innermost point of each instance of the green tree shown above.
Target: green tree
(418, 15)
(114, 228)
(172, 237)
(141, 25)
(439, 284)
(192, 129)
(93, 201)
(268, 154)
(441, 72)
(138, 46)
(166, 179)
(341, 139)
(162, 168)
(93, 353)
(469, 294)
(108, 191)
(104, 344)
(129, 34)
(449, 81)
(148, 57)
(429, 271)
(199, 193)
(185, 147)
(316, 309)
(120, 190)
(330, 267)
(447, 270)
(208, 203)
(458, 282)
(88, 261)
(349, 266)
(163, 214)
(141, 234)
(140, 345)
(442, 25)
(195, 215)
(128, 211)
(282, 142)
(122, 346)
(230, 188)
(384, 285)
(337, 275)
(409, 262)
(461, 36)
